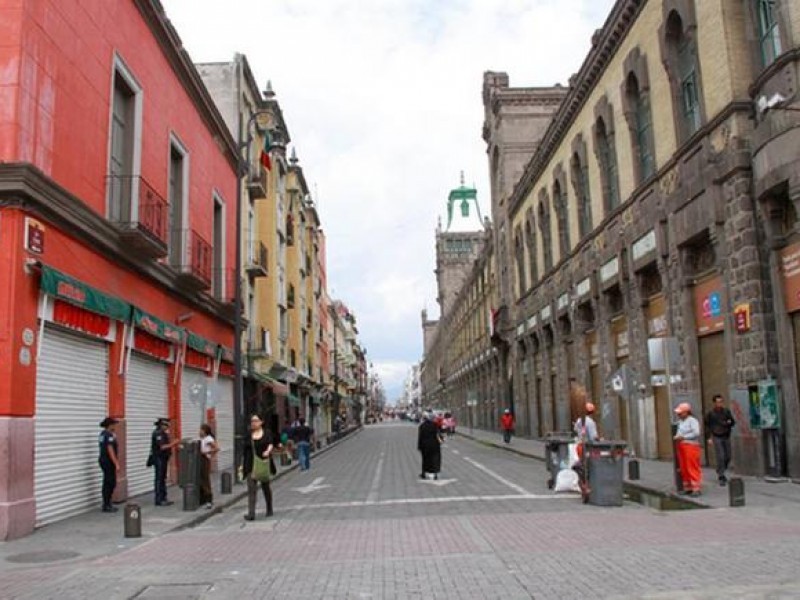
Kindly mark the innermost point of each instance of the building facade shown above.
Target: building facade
(117, 228)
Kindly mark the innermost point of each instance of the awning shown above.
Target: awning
(195, 342)
(71, 290)
(227, 354)
(157, 327)
(277, 371)
(294, 401)
(278, 388)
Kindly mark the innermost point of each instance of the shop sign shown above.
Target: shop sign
(658, 380)
(709, 316)
(609, 270)
(657, 317)
(583, 287)
(545, 313)
(532, 321)
(34, 236)
(563, 301)
(157, 327)
(790, 270)
(520, 329)
(644, 245)
(741, 316)
(74, 291)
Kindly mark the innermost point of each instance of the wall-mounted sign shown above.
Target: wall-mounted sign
(563, 301)
(708, 313)
(657, 317)
(583, 288)
(622, 344)
(644, 245)
(532, 321)
(609, 270)
(790, 270)
(34, 236)
(545, 313)
(741, 316)
(520, 329)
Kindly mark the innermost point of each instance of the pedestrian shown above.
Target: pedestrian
(160, 453)
(688, 447)
(718, 423)
(109, 461)
(449, 424)
(429, 444)
(303, 436)
(585, 429)
(258, 466)
(507, 425)
(208, 448)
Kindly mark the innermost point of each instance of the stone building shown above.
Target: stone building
(653, 236)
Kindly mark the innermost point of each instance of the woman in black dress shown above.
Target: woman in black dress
(429, 443)
(260, 442)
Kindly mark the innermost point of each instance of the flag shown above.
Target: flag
(264, 158)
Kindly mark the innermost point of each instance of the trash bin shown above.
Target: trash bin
(557, 454)
(189, 473)
(605, 466)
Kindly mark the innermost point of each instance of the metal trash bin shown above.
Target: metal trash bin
(605, 466)
(557, 454)
(189, 473)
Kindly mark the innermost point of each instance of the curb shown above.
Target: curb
(626, 484)
(238, 496)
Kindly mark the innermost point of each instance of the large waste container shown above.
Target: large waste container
(605, 463)
(556, 453)
(189, 473)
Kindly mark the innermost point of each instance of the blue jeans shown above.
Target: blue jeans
(303, 455)
(161, 479)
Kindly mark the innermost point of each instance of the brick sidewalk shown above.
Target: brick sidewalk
(658, 476)
(93, 534)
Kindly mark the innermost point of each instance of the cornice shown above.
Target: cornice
(24, 186)
(606, 43)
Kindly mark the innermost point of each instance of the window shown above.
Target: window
(679, 51)
(530, 242)
(689, 89)
(123, 151)
(289, 230)
(580, 182)
(218, 250)
(177, 195)
(607, 158)
(642, 130)
(562, 218)
(519, 256)
(769, 36)
(544, 230)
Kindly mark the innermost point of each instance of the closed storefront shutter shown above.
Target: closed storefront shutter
(146, 400)
(194, 384)
(71, 400)
(224, 432)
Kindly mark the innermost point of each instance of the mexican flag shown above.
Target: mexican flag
(264, 158)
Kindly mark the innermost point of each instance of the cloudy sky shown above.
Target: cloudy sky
(383, 103)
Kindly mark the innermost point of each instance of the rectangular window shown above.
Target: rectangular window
(218, 250)
(120, 164)
(177, 186)
(691, 102)
(610, 166)
(644, 136)
(768, 32)
(586, 208)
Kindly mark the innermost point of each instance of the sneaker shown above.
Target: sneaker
(165, 503)
(723, 482)
(109, 509)
(210, 505)
(249, 518)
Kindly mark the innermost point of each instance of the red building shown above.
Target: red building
(117, 237)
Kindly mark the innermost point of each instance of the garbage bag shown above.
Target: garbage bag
(567, 481)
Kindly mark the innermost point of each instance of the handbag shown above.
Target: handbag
(261, 468)
(272, 468)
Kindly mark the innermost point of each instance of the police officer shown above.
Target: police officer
(161, 451)
(109, 461)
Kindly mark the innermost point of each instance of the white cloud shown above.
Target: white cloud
(383, 101)
(393, 374)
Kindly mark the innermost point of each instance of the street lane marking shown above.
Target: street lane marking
(500, 478)
(455, 451)
(437, 482)
(376, 480)
(395, 501)
(313, 486)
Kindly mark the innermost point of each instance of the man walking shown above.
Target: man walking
(507, 425)
(719, 422)
(303, 436)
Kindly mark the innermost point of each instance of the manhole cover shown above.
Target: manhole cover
(42, 556)
(174, 591)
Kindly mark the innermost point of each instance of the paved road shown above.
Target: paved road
(361, 524)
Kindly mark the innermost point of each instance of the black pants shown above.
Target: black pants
(206, 495)
(252, 492)
(722, 450)
(507, 436)
(109, 481)
(160, 468)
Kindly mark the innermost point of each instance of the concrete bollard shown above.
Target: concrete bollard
(191, 500)
(633, 470)
(133, 520)
(736, 491)
(226, 483)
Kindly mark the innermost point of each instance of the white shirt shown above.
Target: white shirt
(206, 445)
(689, 430)
(590, 433)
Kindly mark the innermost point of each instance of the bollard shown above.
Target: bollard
(225, 483)
(133, 520)
(736, 491)
(319, 445)
(633, 470)
(191, 499)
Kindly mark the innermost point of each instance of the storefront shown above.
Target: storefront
(224, 408)
(195, 384)
(620, 337)
(656, 315)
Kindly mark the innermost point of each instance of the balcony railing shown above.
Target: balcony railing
(258, 344)
(142, 224)
(257, 182)
(257, 262)
(195, 270)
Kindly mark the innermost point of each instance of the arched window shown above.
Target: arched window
(769, 36)
(519, 257)
(530, 242)
(682, 66)
(642, 127)
(562, 219)
(544, 230)
(289, 230)
(607, 158)
(580, 183)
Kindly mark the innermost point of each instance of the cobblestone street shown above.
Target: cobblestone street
(361, 524)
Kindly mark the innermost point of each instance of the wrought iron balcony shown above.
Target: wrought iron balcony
(143, 223)
(257, 261)
(258, 343)
(257, 182)
(195, 270)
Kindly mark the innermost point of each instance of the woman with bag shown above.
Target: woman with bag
(258, 467)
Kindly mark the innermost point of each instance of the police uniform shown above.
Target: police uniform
(160, 462)
(107, 440)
